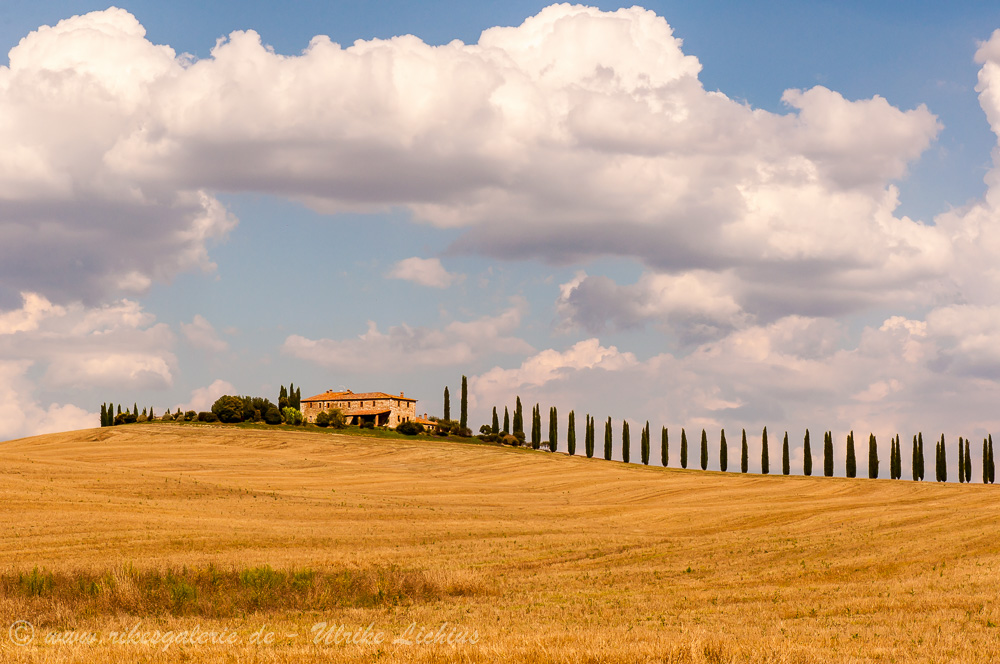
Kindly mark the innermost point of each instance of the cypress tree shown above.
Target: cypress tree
(291, 395)
(607, 440)
(961, 460)
(937, 461)
(593, 436)
(807, 456)
(283, 394)
(914, 459)
(571, 434)
(104, 419)
(645, 444)
(495, 429)
(518, 418)
(536, 427)
(447, 404)
(723, 452)
(625, 441)
(704, 450)
(298, 398)
(968, 462)
(852, 461)
(664, 446)
(464, 421)
(892, 458)
(872, 457)
(992, 465)
(744, 454)
(506, 421)
(684, 449)
(986, 463)
(588, 442)
(922, 467)
(119, 409)
(786, 462)
(894, 461)
(135, 409)
(828, 454)
(553, 429)
(943, 454)
(765, 464)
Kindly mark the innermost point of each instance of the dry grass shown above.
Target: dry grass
(545, 558)
(211, 592)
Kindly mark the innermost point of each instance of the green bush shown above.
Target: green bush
(272, 415)
(410, 428)
(228, 409)
(337, 420)
(323, 419)
(190, 415)
(127, 417)
(207, 416)
(291, 416)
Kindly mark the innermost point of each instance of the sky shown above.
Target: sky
(702, 215)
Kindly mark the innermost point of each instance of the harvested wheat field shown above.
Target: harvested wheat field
(166, 542)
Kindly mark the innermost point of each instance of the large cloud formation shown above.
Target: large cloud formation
(578, 133)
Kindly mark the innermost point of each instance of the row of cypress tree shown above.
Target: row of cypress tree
(851, 469)
(110, 418)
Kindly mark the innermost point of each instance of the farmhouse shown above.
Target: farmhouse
(376, 408)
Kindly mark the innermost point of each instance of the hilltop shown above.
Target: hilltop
(547, 557)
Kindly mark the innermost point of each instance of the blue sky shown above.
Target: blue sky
(647, 227)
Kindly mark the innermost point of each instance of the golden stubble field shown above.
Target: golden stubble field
(536, 557)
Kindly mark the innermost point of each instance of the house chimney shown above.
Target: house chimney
(400, 394)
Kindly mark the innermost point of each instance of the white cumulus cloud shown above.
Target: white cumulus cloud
(403, 347)
(202, 398)
(423, 271)
(201, 334)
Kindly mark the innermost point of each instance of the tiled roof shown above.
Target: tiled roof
(351, 396)
(426, 423)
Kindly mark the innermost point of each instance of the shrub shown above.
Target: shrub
(190, 415)
(167, 417)
(508, 439)
(128, 417)
(337, 420)
(410, 428)
(207, 416)
(368, 425)
(228, 409)
(444, 427)
(272, 415)
(323, 419)
(291, 416)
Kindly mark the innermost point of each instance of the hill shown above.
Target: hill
(542, 557)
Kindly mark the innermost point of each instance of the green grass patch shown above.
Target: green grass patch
(220, 593)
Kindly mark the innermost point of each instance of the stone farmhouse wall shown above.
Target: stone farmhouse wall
(378, 408)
